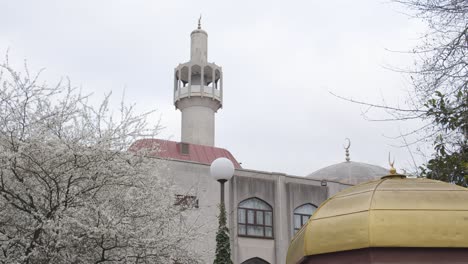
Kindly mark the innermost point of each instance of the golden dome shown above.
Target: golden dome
(390, 212)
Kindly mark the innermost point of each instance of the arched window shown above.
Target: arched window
(255, 261)
(302, 214)
(255, 218)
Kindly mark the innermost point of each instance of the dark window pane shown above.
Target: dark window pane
(268, 218)
(255, 231)
(297, 221)
(241, 216)
(254, 203)
(259, 217)
(305, 218)
(250, 230)
(241, 229)
(306, 209)
(250, 216)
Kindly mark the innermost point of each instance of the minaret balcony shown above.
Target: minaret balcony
(197, 90)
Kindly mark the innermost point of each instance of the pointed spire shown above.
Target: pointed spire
(199, 22)
(347, 149)
(392, 169)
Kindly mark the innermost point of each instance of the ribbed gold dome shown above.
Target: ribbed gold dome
(390, 212)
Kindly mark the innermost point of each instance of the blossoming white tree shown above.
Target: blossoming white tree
(70, 192)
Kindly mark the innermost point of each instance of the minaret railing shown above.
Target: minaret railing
(178, 83)
(202, 80)
(221, 84)
(213, 81)
(184, 87)
(190, 81)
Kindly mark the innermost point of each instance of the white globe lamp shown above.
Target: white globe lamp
(222, 169)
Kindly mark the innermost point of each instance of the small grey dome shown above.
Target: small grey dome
(201, 31)
(349, 172)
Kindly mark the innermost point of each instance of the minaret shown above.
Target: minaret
(198, 92)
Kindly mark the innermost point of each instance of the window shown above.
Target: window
(255, 218)
(186, 201)
(302, 215)
(184, 148)
(255, 261)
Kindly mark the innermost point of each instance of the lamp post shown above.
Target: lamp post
(222, 170)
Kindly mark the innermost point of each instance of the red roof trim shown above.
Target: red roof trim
(172, 150)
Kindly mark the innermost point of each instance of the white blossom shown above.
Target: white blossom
(70, 192)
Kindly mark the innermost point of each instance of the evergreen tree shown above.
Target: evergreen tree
(223, 246)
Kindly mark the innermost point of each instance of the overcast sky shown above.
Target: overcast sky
(280, 59)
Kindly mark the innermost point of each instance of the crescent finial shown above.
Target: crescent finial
(199, 22)
(349, 143)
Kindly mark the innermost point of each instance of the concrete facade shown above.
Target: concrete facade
(282, 192)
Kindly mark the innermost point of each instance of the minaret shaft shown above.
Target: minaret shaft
(198, 92)
(199, 46)
(198, 120)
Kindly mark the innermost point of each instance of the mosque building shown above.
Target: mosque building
(265, 209)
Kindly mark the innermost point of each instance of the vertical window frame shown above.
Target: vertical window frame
(255, 224)
(301, 216)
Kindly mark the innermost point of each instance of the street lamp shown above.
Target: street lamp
(222, 169)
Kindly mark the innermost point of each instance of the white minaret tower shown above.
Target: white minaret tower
(198, 92)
